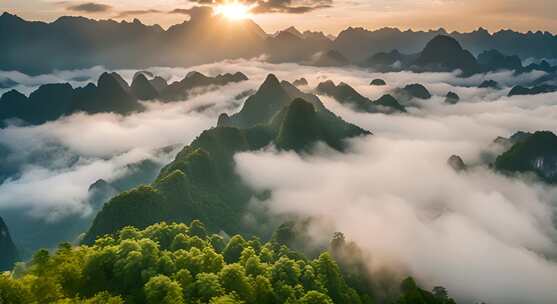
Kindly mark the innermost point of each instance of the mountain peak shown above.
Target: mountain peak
(143, 89)
(299, 127)
(294, 31)
(444, 42)
(271, 81)
(111, 79)
(446, 52)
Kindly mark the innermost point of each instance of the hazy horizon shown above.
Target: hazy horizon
(329, 16)
(229, 159)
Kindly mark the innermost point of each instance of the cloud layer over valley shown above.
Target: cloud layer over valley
(484, 236)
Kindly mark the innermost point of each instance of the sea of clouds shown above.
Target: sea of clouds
(484, 236)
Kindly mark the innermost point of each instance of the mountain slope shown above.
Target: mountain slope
(111, 94)
(445, 53)
(201, 184)
(8, 251)
(358, 44)
(345, 94)
(78, 42)
(536, 153)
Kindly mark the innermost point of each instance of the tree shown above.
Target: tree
(330, 277)
(217, 242)
(212, 261)
(264, 292)
(234, 249)
(134, 268)
(104, 298)
(286, 270)
(440, 293)
(39, 262)
(14, 291)
(206, 287)
(198, 229)
(314, 297)
(162, 290)
(227, 299)
(233, 279)
(185, 279)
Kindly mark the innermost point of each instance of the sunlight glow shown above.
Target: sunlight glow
(234, 10)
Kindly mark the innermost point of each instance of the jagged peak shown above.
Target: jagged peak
(109, 79)
(14, 93)
(140, 80)
(270, 81)
(194, 74)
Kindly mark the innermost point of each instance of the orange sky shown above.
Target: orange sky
(462, 15)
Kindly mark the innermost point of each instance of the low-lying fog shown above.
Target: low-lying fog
(482, 235)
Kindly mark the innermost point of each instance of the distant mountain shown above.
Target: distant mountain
(347, 95)
(292, 46)
(329, 58)
(520, 90)
(444, 53)
(452, 98)
(411, 91)
(8, 251)
(489, 84)
(378, 82)
(305, 35)
(300, 82)
(391, 61)
(78, 42)
(542, 66)
(456, 163)
(111, 94)
(201, 184)
(144, 89)
(358, 44)
(535, 153)
(32, 233)
(494, 60)
(180, 90)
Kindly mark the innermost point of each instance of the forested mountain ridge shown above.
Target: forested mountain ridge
(358, 43)
(111, 94)
(77, 42)
(201, 184)
(531, 152)
(177, 263)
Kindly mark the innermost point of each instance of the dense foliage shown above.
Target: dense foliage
(177, 263)
(533, 153)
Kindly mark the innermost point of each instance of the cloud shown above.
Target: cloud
(90, 7)
(196, 11)
(277, 6)
(51, 166)
(484, 236)
(125, 14)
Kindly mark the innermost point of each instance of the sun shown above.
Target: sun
(234, 10)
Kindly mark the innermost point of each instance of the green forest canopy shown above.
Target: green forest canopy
(177, 263)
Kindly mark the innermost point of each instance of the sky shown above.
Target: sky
(330, 16)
